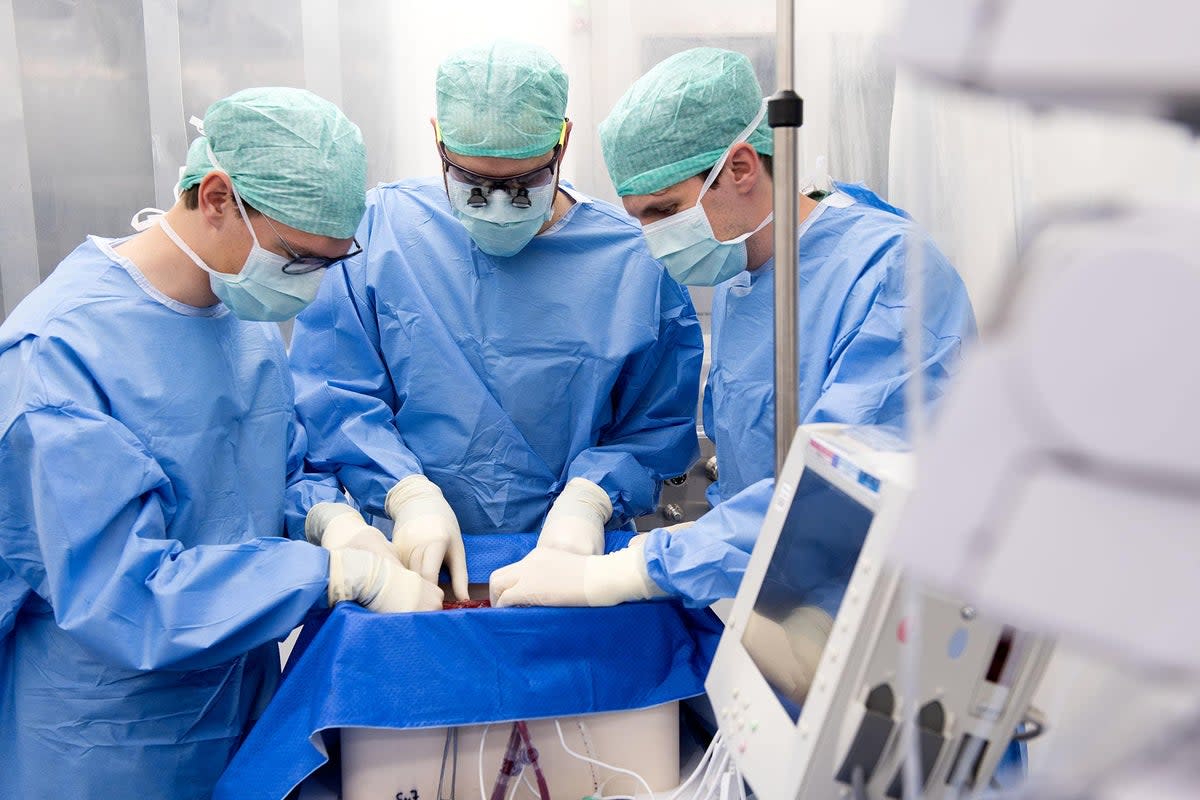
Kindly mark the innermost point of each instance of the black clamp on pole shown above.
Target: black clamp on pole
(785, 109)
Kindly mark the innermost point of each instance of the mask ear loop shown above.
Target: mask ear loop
(198, 124)
(741, 137)
(151, 218)
(716, 170)
(236, 197)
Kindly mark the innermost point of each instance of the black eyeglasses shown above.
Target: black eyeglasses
(516, 186)
(302, 265)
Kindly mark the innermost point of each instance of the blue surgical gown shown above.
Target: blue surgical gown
(852, 368)
(853, 302)
(499, 379)
(147, 451)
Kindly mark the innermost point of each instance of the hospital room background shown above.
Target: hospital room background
(95, 98)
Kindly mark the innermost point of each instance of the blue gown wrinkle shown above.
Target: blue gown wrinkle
(500, 379)
(147, 452)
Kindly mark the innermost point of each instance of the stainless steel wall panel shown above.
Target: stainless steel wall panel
(168, 131)
(227, 45)
(19, 255)
(370, 83)
(83, 81)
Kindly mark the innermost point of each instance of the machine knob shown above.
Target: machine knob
(673, 513)
(678, 480)
(710, 468)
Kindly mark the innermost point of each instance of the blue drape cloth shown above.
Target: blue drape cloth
(469, 666)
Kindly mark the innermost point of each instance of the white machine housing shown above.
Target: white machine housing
(1061, 484)
(847, 719)
(1133, 57)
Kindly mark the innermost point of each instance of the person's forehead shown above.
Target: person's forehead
(684, 190)
(494, 167)
(311, 243)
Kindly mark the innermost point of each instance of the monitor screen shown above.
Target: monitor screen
(803, 586)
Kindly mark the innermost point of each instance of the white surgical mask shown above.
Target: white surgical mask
(500, 228)
(260, 291)
(685, 242)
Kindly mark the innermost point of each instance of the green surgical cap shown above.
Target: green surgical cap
(679, 118)
(504, 100)
(290, 154)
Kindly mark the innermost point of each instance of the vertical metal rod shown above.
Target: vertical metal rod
(164, 89)
(784, 113)
(19, 258)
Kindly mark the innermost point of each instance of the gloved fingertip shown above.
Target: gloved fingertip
(458, 575)
(496, 591)
(431, 564)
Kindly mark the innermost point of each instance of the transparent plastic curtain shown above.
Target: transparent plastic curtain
(848, 83)
(977, 171)
(960, 166)
(972, 170)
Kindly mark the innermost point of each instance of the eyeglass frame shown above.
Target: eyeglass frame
(316, 262)
(511, 184)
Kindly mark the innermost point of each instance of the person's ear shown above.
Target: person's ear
(744, 166)
(215, 197)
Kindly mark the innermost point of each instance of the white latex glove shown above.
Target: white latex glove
(425, 532)
(549, 577)
(576, 520)
(337, 525)
(379, 584)
(788, 652)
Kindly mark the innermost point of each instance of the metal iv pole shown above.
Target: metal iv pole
(785, 115)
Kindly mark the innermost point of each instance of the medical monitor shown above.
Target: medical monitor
(802, 587)
(806, 684)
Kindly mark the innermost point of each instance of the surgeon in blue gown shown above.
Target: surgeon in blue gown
(505, 344)
(151, 462)
(688, 150)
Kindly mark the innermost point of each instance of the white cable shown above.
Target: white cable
(704, 760)
(910, 684)
(704, 788)
(712, 776)
(483, 795)
(532, 789)
(517, 784)
(563, 741)
(600, 795)
(706, 775)
(718, 773)
(914, 341)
